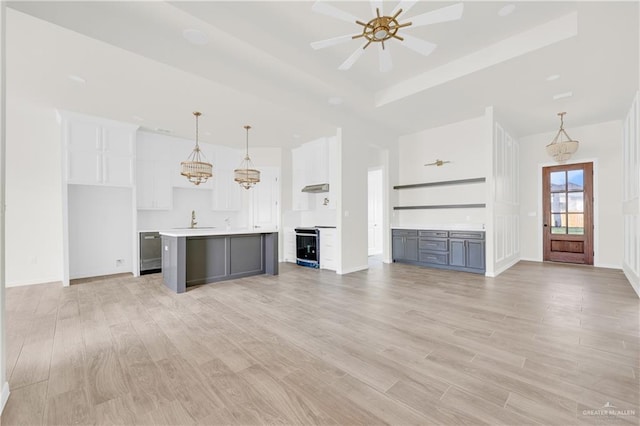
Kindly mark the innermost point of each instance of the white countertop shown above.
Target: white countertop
(444, 227)
(206, 232)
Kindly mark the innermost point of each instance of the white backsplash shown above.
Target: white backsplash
(184, 201)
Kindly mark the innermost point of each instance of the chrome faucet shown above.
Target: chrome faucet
(193, 219)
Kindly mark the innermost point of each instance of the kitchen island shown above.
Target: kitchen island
(200, 256)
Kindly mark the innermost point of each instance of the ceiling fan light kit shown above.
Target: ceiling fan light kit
(196, 168)
(383, 28)
(562, 147)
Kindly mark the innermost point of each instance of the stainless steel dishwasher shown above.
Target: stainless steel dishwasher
(150, 252)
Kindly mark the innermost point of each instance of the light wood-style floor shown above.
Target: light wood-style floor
(541, 344)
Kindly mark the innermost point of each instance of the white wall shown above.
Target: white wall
(466, 145)
(352, 199)
(100, 224)
(631, 195)
(34, 199)
(184, 201)
(3, 341)
(600, 143)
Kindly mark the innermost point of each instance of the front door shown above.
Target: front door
(568, 213)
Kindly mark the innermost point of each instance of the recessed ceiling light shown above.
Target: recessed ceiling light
(137, 118)
(553, 77)
(507, 10)
(335, 100)
(196, 37)
(296, 136)
(76, 78)
(207, 133)
(562, 95)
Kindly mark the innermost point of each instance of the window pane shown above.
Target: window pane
(576, 201)
(576, 180)
(558, 223)
(576, 224)
(559, 202)
(558, 181)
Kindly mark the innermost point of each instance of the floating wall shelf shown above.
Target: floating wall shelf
(441, 183)
(442, 206)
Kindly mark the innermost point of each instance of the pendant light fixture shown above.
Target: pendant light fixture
(562, 149)
(245, 174)
(196, 168)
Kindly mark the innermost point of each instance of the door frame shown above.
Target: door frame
(596, 202)
(382, 209)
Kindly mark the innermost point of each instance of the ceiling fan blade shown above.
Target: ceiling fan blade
(417, 45)
(331, 41)
(376, 4)
(351, 59)
(405, 5)
(385, 59)
(446, 14)
(327, 9)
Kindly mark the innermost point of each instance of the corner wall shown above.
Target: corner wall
(631, 195)
(4, 396)
(34, 199)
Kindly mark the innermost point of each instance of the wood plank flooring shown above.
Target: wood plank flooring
(544, 344)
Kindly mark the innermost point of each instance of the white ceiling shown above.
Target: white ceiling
(259, 68)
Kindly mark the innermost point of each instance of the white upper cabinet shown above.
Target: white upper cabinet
(299, 158)
(154, 171)
(98, 151)
(227, 194)
(314, 163)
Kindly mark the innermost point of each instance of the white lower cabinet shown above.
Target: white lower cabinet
(289, 245)
(328, 252)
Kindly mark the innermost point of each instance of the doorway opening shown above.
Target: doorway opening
(375, 212)
(567, 207)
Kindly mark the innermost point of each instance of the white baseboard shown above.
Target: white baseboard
(5, 396)
(531, 259)
(608, 265)
(100, 273)
(350, 270)
(503, 268)
(39, 281)
(633, 279)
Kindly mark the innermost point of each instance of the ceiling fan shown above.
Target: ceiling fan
(382, 28)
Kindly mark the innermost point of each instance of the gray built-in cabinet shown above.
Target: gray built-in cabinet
(455, 250)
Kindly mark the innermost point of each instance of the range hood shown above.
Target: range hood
(320, 187)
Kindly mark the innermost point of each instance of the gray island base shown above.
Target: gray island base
(192, 257)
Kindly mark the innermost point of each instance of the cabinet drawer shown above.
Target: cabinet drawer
(431, 244)
(436, 258)
(437, 234)
(405, 233)
(479, 235)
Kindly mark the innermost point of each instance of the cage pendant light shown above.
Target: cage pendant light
(245, 174)
(562, 149)
(196, 168)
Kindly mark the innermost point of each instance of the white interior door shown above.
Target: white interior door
(375, 212)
